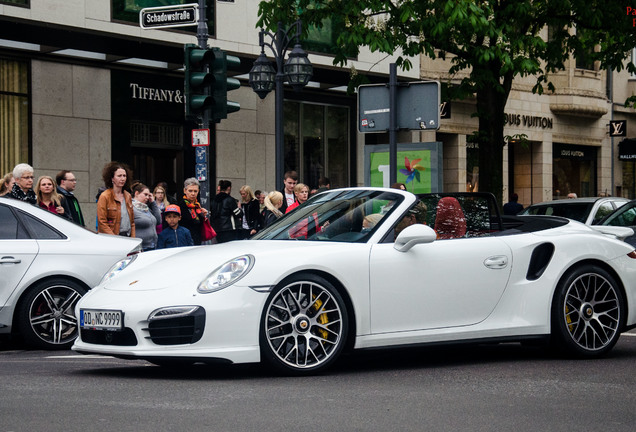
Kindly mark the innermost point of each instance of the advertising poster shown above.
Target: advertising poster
(419, 166)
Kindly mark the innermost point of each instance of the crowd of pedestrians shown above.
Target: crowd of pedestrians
(130, 209)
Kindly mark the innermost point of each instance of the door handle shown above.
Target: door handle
(9, 260)
(496, 262)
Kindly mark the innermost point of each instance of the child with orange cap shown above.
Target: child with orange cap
(173, 235)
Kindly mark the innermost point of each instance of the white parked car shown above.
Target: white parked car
(585, 210)
(46, 264)
(357, 268)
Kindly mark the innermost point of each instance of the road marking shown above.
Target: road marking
(92, 356)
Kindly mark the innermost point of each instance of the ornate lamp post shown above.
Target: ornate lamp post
(296, 71)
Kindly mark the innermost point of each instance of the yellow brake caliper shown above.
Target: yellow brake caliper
(322, 319)
(568, 319)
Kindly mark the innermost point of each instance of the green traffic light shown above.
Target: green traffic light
(206, 82)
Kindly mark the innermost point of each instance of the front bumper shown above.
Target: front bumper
(228, 326)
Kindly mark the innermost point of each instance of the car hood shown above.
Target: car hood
(185, 268)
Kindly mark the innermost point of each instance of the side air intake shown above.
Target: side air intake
(541, 256)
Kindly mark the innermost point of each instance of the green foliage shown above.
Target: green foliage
(495, 41)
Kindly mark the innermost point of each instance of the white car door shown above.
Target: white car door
(17, 253)
(445, 283)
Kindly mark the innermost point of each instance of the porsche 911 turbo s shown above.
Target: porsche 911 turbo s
(367, 268)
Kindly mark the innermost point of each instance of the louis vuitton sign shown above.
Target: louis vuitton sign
(618, 128)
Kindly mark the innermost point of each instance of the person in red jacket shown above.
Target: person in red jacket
(301, 191)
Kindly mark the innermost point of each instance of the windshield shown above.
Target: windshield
(341, 216)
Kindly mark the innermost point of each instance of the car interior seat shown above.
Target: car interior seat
(450, 221)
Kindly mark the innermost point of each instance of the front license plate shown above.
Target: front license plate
(97, 319)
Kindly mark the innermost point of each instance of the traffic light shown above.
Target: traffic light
(197, 81)
(221, 84)
(207, 84)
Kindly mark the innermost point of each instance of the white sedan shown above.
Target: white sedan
(366, 268)
(46, 264)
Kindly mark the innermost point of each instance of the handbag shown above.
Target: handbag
(207, 232)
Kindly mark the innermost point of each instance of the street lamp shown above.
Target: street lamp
(296, 71)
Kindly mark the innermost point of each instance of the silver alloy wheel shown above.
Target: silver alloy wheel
(52, 314)
(304, 325)
(592, 311)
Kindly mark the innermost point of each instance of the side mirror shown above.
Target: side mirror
(413, 235)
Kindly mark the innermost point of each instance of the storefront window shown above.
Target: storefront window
(573, 170)
(14, 114)
(128, 10)
(317, 142)
(148, 133)
(472, 167)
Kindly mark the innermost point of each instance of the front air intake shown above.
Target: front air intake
(178, 330)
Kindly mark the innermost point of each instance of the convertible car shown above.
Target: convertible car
(365, 268)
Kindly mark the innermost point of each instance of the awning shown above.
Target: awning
(627, 149)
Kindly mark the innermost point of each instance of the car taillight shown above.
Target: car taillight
(632, 254)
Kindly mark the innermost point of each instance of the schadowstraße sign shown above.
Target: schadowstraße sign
(169, 16)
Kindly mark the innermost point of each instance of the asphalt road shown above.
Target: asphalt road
(483, 388)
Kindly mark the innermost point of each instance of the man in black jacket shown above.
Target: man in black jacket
(66, 182)
(226, 214)
(290, 179)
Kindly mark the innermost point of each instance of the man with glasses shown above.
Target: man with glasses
(66, 182)
(23, 186)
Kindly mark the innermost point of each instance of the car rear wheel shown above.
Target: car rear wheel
(304, 326)
(588, 312)
(47, 314)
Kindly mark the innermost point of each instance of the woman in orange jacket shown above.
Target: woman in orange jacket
(115, 214)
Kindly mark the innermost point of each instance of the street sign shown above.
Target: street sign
(201, 172)
(200, 155)
(169, 16)
(418, 106)
(200, 137)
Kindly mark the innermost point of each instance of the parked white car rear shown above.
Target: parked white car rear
(47, 264)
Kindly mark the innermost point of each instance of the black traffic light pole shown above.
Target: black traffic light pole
(393, 85)
(210, 152)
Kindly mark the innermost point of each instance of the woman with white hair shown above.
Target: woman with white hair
(23, 187)
(192, 214)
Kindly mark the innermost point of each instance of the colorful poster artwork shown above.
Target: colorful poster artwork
(414, 170)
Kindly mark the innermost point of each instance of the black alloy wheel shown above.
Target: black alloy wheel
(46, 316)
(304, 326)
(588, 312)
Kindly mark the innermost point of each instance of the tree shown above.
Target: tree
(494, 41)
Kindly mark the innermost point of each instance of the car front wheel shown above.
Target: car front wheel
(304, 326)
(588, 312)
(47, 315)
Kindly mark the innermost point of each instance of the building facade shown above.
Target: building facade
(567, 147)
(82, 84)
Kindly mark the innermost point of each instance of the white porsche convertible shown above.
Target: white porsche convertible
(365, 268)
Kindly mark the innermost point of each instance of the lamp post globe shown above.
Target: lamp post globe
(262, 76)
(298, 69)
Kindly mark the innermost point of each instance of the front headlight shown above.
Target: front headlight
(118, 267)
(227, 274)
